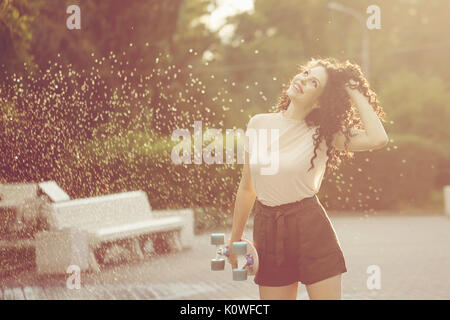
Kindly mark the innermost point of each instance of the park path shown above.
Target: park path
(412, 252)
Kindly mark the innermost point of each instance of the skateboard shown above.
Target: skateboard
(241, 248)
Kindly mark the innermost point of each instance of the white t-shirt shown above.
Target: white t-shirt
(283, 176)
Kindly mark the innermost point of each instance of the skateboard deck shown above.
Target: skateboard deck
(243, 248)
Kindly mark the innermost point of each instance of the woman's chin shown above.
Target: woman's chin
(295, 96)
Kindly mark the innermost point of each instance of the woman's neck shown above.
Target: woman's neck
(296, 112)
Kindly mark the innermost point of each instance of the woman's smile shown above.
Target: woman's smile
(297, 87)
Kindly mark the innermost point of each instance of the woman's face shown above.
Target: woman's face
(308, 86)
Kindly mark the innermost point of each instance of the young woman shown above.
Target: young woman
(316, 125)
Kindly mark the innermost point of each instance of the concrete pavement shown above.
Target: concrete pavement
(412, 253)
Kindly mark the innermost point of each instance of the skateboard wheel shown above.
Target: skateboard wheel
(217, 264)
(240, 248)
(217, 238)
(239, 274)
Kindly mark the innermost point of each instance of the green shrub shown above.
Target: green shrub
(402, 173)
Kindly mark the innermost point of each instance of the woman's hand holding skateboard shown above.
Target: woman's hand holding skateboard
(232, 259)
(241, 248)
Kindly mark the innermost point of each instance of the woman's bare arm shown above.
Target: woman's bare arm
(373, 137)
(245, 198)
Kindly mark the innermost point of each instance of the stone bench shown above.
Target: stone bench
(119, 218)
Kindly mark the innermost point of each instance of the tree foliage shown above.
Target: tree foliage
(94, 108)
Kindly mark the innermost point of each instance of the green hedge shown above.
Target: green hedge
(400, 176)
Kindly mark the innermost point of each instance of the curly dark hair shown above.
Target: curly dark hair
(335, 111)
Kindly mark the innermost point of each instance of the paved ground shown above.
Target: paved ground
(412, 252)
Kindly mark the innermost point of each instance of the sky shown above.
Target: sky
(227, 8)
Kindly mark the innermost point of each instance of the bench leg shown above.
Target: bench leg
(137, 249)
(93, 264)
(179, 240)
(176, 241)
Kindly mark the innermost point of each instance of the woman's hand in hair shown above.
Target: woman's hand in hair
(352, 88)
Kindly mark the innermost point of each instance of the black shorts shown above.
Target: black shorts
(295, 242)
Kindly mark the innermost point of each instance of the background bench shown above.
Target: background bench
(24, 211)
(124, 218)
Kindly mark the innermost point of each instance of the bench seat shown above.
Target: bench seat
(116, 217)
